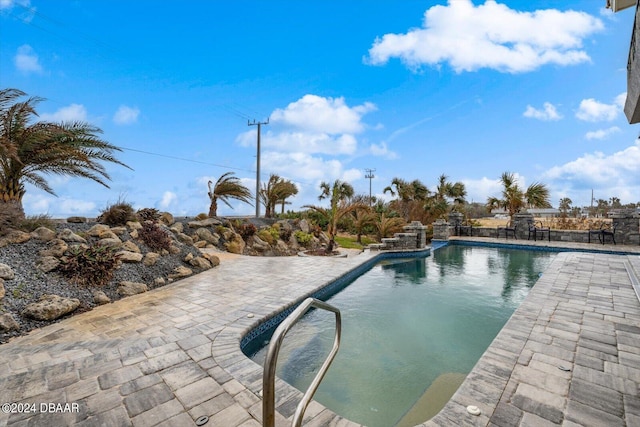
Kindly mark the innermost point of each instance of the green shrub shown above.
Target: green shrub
(30, 223)
(117, 215)
(266, 235)
(303, 238)
(154, 236)
(148, 214)
(89, 266)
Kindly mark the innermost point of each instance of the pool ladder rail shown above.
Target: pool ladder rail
(270, 361)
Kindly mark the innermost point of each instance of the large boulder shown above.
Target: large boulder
(204, 223)
(111, 242)
(17, 236)
(98, 230)
(184, 238)
(130, 246)
(206, 235)
(51, 307)
(177, 228)
(213, 259)
(180, 272)
(100, 298)
(69, 236)
(150, 258)
(47, 263)
(128, 256)
(6, 272)
(8, 323)
(166, 218)
(200, 262)
(76, 219)
(43, 233)
(55, 247)
(304, 225)
(126, 288)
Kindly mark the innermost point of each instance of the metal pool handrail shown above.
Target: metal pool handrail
(269, 375)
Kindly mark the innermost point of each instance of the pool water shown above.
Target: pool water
(412, 330)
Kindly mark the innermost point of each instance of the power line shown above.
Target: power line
(186, 160)
(258, 164)
(370, 176)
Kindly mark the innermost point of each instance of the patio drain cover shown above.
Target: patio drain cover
(202, 420)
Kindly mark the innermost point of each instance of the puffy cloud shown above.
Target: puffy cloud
(602, 133)
(548, 113)
(591, 110)
(168, 198)
(616, 174)
(71, 113)
(491, 35)
(303, 166)
(126, 115)
(27, 61)
(381, 150)
(323, 115)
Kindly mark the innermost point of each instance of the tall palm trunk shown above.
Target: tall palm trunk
(213, 208)
(11, 192)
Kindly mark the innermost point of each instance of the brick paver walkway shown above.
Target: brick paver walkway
(171, 355)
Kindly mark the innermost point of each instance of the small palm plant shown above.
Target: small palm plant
(227, 187)
(30, 150)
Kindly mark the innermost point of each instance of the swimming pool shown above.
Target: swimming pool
(412, 330)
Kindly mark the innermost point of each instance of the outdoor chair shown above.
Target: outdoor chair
(604, 231)
(464, 227)
(509, 228)
(536, 227)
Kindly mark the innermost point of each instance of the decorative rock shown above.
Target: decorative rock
(130, 246)
(108, 235)
(189, 257)
(201, 263)
(304, 225)
(206, 235)
(118, 231)
(150, 259)
(159, 281)
(133, 234)
(2, 291)
(111, 242)
(180, 271)
(200, 244)
(173, 249)
(167, 218)
(69, 236)
(6, 272)
(76, 219)
(8, 323)
(47, 263)
(177, 227)
(134, 225)
(204, 223)
(55, 247)
(127, 256)
(213, 259)
(126, 288)
(17, 236)
(101, 298)
(51, 307)
(185, 238)
(258, 244)
(98, 229)
(44, 234)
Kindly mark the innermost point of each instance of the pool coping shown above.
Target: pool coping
(484, 387)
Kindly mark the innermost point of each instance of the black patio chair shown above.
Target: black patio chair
(465, 228)
(536, 227)
(509, 228)
(604, 231)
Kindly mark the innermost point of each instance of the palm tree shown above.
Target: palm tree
(275, 191)
(439, 203)
(386, 226)
(565, 206)
(29, 150)
(409, 194)
(362, 218)
(339, 195)
(514, 199)
(227, 187)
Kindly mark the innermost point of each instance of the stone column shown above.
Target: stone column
(521, 221)
(420, 231)
(440, 230)
(455, 220)
(627, 224)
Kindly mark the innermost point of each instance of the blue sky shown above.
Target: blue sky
(412, 89)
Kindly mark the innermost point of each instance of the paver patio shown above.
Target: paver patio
(171, 355)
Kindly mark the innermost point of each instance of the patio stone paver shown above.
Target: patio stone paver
(171, 355)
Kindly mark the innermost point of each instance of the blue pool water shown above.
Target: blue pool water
(412, 329)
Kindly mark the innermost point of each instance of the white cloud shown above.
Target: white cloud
(602, 133)
(302, 166)
(168, 198)
(491, 35)
(71, 113)
(323, 115)
(381, 150)
(591, 110)
(126, 115)
(548, 113)
(616, 174)
(27, 61)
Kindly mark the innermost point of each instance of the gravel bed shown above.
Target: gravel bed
(30, 283)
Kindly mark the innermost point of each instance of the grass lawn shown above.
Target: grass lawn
(348, 241)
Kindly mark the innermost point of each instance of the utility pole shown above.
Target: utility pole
(370, 175)
(254, 123)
